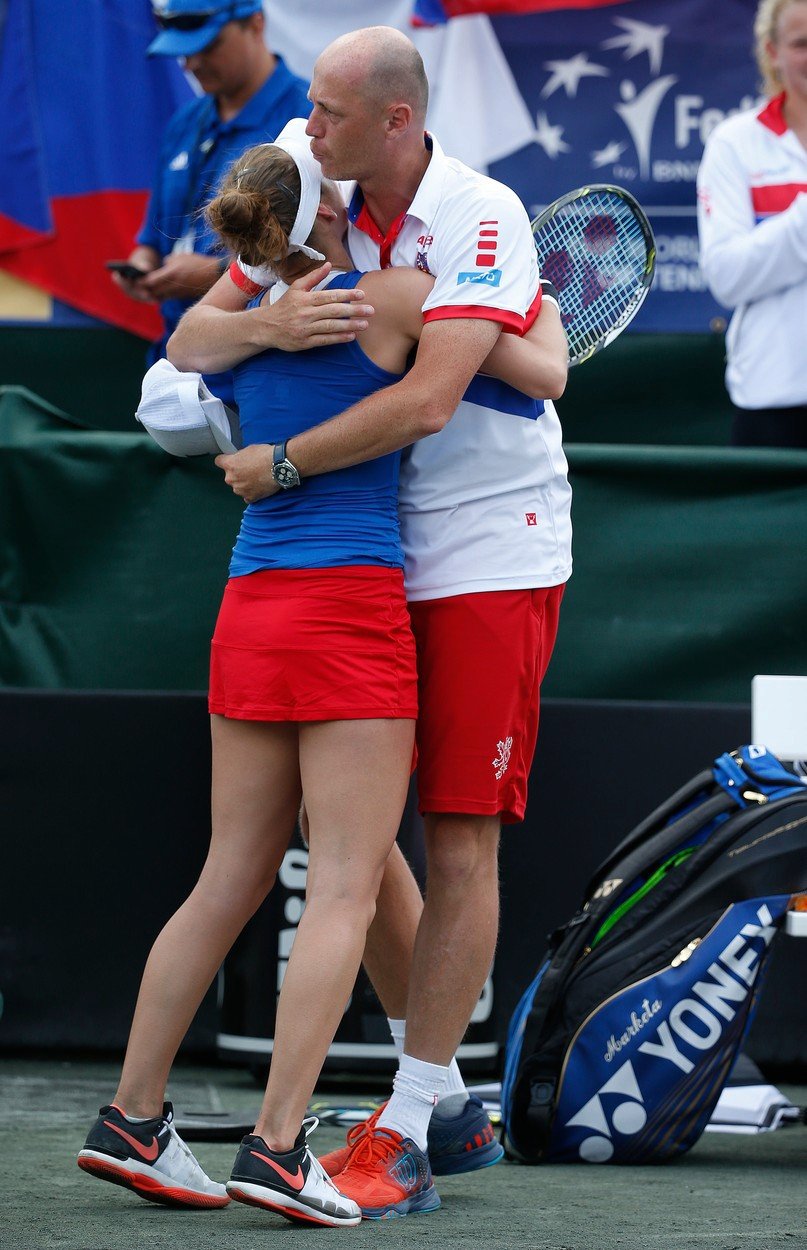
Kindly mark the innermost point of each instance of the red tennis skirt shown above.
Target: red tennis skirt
(314, 644)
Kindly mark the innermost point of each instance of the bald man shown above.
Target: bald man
(484, 508)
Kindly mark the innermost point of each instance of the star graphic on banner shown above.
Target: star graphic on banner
(607, 155)
(640, 37)
(549, 137)
(567, 74)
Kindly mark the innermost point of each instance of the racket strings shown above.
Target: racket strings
(595, 252)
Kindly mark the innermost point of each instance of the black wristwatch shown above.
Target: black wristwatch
(283, 471)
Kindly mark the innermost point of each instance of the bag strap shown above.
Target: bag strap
(662, 815)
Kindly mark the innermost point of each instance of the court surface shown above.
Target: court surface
(730, 1192)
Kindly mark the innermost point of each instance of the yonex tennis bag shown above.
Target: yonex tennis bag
(619, 1049)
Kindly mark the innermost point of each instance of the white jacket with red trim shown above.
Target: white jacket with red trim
(752, 221)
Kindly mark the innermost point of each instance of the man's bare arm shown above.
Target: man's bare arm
(449, 355)
(220, 331)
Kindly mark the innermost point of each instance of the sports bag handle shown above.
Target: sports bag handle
(747, 775)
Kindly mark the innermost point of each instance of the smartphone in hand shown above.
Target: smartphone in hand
(130, 272)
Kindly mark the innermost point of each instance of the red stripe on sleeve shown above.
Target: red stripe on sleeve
(509, 320)
(776, 199)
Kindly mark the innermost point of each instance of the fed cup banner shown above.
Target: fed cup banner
(628, 93)
(546, 95)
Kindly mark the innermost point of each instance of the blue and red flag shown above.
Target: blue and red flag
(82, 111)
(435, 12)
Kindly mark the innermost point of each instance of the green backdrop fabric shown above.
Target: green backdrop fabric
(690, 574)
(665, 389)
(112, 555)
(94, 373)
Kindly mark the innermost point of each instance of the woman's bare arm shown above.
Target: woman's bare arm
(536, 364)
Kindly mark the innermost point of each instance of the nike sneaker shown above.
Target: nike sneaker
(460, 1138)
(290, 1182)
(388, 1175)
(150, 1158)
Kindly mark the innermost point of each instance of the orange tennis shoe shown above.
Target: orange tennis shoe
(388, 1175)
(460, 1138)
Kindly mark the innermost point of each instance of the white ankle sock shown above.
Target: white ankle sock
(415, 1091)
(397, 1029)
(454, 1082)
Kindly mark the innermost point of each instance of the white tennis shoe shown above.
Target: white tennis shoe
(150, 1158)
(292, 1182)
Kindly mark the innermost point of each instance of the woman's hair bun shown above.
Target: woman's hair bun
(252, 214)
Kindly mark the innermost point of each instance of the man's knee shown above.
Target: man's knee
(459, 849)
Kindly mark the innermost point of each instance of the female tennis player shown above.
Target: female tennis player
(312, 692)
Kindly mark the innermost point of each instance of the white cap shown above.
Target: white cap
(182, 416)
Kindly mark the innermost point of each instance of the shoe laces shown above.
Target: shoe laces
(377, 1145)
(309, 1124)
(364, 1126)
(184, 1165)
(358, 1131)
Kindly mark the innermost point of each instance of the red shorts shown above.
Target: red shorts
(314, 644)
(481, 660)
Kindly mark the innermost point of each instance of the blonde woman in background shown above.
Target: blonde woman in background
(752, 221)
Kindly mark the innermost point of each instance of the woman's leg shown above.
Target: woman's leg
(355, 776)
(255, 797)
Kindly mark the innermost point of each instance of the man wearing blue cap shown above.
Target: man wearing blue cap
(249, 97)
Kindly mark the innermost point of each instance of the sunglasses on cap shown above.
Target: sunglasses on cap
(189, 21)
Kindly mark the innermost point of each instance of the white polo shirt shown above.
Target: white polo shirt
(485, 504)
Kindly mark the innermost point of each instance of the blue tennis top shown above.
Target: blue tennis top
(342, 518)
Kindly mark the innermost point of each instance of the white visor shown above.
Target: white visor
(294, 140)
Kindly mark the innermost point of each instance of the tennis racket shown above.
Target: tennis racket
(596, 247)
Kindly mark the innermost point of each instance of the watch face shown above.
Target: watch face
(286, 475)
